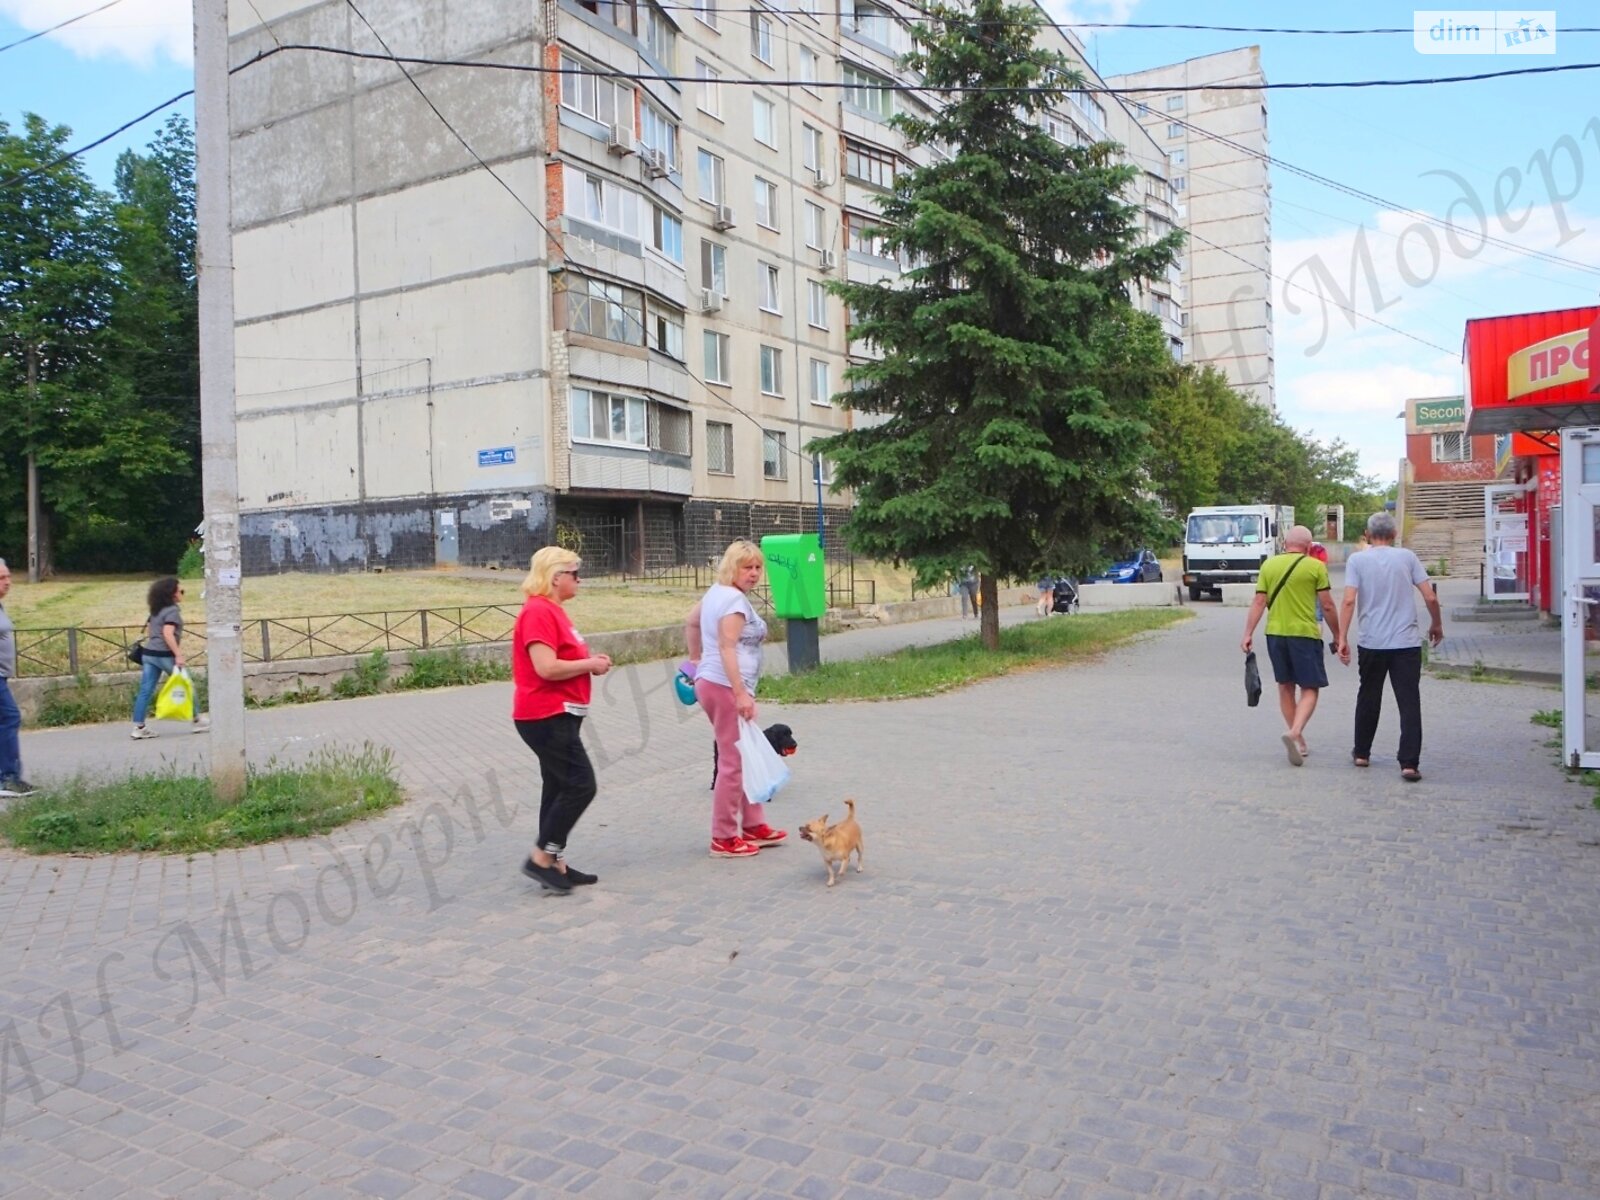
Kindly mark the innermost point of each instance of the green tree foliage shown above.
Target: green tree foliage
(99, 290)
(997, 443)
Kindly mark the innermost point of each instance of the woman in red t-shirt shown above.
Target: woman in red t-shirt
(550, 670)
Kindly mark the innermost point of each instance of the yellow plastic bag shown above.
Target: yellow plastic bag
(175, 700)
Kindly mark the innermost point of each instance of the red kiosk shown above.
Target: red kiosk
(1528, 376)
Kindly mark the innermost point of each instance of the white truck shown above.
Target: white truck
(1227, 543)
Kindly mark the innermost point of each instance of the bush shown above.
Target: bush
(368, 678)
(451, 668)
(192, 563)
(84, 702)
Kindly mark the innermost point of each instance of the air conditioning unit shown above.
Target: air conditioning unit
(655, 163)
(823, 178)
(710, 300)
(724, 218)
(827, 260)
(620, 140)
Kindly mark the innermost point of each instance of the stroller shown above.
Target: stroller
(1064, 597)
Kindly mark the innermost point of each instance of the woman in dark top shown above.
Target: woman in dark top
(162, 652)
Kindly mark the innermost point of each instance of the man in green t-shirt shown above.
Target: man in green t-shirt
(1289, 590)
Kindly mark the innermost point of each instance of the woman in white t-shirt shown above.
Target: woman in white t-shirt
(731, 633)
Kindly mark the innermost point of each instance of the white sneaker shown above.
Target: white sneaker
(140, 732)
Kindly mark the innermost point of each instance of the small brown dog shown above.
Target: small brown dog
(835, 841)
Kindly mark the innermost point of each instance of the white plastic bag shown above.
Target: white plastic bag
(765, 772)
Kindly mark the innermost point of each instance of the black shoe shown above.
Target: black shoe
(17, 787)
(578, 878)
(549, 877)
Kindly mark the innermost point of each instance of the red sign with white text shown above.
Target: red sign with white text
(1531, 371)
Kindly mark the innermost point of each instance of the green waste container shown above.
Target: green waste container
(795, 571)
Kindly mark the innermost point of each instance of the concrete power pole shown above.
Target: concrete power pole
(219, 451)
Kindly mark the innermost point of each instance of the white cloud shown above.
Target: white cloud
(141, 31)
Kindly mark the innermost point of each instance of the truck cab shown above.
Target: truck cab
(1227, 543)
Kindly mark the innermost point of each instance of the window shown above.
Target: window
(1179, 157)
(809, 7)
(605, 100)
(705, 11)
(864, 237)
(771, 371)
(719, 448)
(1174, 131)
(714, 267)
(603, 417)
(808, 66)
(866, 92)
(711, 177)
(768, 275)
(765, 118)
(601, 202)
(869, 164)
(660, 38)
(766, 203)
(1452, 447)
(872, 22)
(666, 332)
(821, 392)
(816, 304)
(1179, 184)
(605, 310)
(716, 350)
(670, 429)
(811, 148)
(814, 218)
(1175, 102)
(666, 235)
(657, 132)
(774, 454)
(619, 12)
(761, 37)
(709, 94)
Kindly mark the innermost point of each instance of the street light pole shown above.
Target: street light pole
(219, 451)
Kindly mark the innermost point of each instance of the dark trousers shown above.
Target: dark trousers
(10, 742)
(568, 776)
(1403, 669)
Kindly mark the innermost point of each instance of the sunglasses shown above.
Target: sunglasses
(573, 573)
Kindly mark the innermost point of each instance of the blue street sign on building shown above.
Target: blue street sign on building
(500, 456)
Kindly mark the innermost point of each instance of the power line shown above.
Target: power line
(100, 141)
(61, 25)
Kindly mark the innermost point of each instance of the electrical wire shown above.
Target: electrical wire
(22, 176)
(61, 25)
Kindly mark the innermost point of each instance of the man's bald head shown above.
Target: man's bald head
(1298, 538)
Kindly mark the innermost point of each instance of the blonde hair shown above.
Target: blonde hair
(544, 565)
(738, 554)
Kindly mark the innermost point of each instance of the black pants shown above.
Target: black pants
(1403, 669)
(568, 776)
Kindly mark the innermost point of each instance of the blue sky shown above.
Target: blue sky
(1428, 148)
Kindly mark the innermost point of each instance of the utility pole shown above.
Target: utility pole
(33, 464)
(219, 449)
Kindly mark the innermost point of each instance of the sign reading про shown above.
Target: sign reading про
(1548, 364)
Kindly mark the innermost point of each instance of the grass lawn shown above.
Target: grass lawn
(928, 670)
(177, 813)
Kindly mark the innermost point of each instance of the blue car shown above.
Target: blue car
(1137, 566)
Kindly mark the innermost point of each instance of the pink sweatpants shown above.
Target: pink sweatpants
(729, 811)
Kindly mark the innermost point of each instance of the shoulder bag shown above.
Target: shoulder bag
(1285, 579)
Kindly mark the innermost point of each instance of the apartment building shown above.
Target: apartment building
(1214, 135)
(606, 322)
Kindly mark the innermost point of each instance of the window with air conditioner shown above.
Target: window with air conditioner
(719, 448)
(766, 203)
(820, 391)
(666, 234)
(608, 101)
(811, 147)
(712, 177)
(658, 132)
(714, 267)
(1452, 448)
(761, 37)
(605, 417)
(771, 371)
(605, 310)
(764, 119)
(816, 304)
(774, 454)
(708, 91)
(716, 357)
(767, 276)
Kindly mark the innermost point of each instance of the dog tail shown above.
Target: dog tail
(851, 805)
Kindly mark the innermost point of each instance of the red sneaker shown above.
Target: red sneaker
(734, 847)
(765, 835)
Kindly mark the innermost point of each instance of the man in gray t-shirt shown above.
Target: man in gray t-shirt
(1383, 580)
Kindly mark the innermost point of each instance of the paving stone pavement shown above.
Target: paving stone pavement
(1107, 944)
